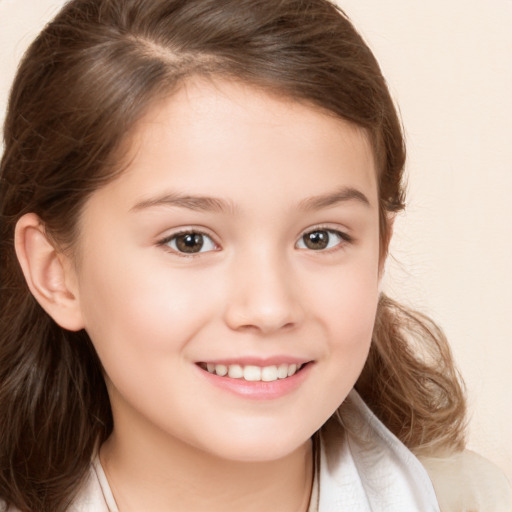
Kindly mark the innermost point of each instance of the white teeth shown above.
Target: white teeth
(254, 373)
(282, 371)
(221, 369)
(235, 371)
(269, 373)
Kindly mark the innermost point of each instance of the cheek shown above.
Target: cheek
(349, 300)
(348, 308)
(354, 315)
(137, 310)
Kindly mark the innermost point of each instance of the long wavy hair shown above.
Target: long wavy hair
(81, 87)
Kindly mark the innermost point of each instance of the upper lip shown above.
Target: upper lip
(258, 361)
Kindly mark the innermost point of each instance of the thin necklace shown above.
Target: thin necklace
(113, 490)
(305, 505)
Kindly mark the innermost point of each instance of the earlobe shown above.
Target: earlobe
(47, 273)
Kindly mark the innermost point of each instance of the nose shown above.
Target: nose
(263, 296)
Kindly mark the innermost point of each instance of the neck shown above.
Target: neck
(149, 476)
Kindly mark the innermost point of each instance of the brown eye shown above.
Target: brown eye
(190, 243)
(321, 239)
(316, 240)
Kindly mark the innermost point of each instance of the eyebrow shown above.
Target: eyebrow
(198, 203)
(332, 199)
(214, 204)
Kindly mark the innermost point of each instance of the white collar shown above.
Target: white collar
(360, 466)
(363, 467)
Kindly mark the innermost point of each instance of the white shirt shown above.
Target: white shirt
(360, 467)
(363, 467)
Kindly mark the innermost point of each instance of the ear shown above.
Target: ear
(388, 225)
(49, 273)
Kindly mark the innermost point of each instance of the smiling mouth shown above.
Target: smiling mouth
(252, 373)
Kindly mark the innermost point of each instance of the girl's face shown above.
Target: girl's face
(243, 237)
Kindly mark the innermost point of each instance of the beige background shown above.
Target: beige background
(449, 66)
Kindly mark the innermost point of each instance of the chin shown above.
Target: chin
(259, 453)
(260, 447)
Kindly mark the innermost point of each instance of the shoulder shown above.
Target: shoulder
(95, 494)
(3, 507)
(466, 481)
(362, 466)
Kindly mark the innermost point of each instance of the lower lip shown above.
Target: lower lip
(258, 390)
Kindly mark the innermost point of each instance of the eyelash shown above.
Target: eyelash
(344, 238)
(165, 242)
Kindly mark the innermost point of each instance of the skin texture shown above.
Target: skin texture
(277, 170)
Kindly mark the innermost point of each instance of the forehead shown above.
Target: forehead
(225, 137)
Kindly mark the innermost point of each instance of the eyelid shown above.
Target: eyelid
(164, 241)
(345, 237)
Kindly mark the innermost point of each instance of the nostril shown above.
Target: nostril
(264, 301)
(261, 323)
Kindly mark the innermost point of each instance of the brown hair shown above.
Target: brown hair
(82, 85)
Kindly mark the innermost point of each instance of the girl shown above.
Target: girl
(197, 198)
